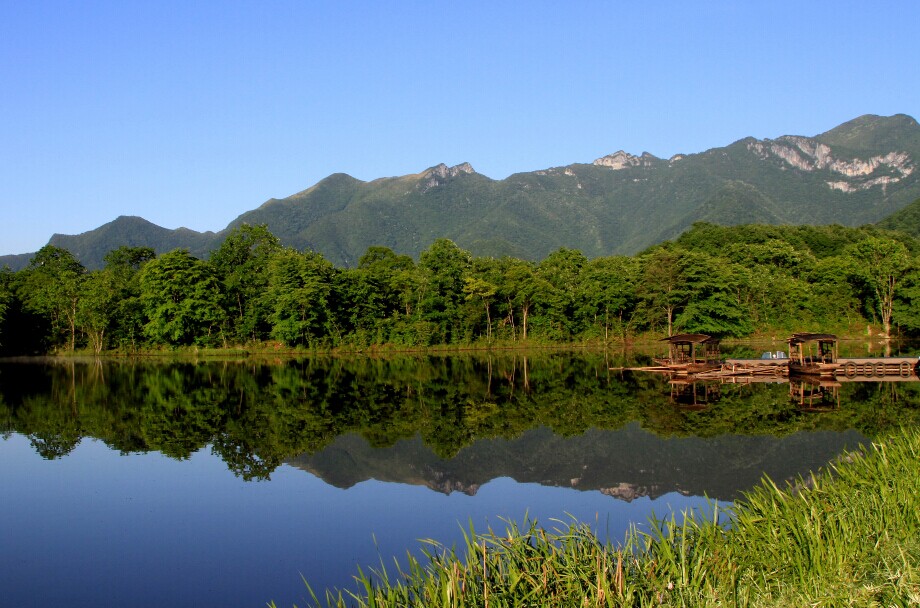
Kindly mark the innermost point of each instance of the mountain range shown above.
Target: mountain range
(860, 172)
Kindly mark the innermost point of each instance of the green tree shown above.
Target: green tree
(773, 253)
(906, 309)
(560, 273)
(379, 295)
(444, 266)
(122, 267)
(110, 302)
(483, 291)
(97, 305)
(879, 266)
(607, 294)
(182, 300)
(776, 299)
(396, 276)
(298, 293)
(715, 305)
(6, 294)
(662, 288)
(520, 287)
(834, 296)
(52, 285)
(241, 263)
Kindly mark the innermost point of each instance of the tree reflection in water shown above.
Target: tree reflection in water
(258, 414)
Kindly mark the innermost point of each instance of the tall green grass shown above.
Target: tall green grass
(849, 536)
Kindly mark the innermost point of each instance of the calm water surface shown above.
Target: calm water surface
(190, 484)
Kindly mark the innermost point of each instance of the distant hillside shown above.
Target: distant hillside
(857, 173)
(90, 247)
(906, 220)
(16, 262)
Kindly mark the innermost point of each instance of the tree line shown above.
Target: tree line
(724, 281)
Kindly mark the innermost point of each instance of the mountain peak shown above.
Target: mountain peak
(442, 171)
(624, 160)
(870, 131)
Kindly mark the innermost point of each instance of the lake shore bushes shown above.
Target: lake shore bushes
(738, 281)
(852, 338)
(847, 536)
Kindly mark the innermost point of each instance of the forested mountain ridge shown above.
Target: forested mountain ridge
(906, 220)
(857, 173)
(131, 231)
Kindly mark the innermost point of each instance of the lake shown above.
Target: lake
(153, 483)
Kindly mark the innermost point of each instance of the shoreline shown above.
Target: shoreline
(277, 349)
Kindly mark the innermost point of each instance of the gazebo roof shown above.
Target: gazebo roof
(807, 337)
(689, 339)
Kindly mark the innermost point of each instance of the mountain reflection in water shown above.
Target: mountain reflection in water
(626, 463)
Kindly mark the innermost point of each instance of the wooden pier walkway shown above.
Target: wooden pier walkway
(811, 355)
(866, 369)
(871, 368)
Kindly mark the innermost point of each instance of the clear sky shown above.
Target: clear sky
(190, 113)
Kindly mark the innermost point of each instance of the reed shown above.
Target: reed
(847, 536)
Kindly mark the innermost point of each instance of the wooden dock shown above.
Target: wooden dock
(878, 367)
(755, 364)
(867, 369)
(811, 355)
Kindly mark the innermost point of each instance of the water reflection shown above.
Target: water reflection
(258, 415)
(811, 394)
(626, 464)
(694, 394)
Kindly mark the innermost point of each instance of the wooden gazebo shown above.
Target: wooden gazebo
(813, 354)
(692, 353)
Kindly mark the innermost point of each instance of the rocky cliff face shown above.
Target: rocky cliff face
(439, 174)
(623, 160)
(806, 154)
(803, 154)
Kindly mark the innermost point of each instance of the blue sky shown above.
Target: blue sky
(190, 113)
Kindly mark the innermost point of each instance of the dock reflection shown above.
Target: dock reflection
(809, 393)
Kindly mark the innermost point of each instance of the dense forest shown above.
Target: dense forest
(725, 281)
